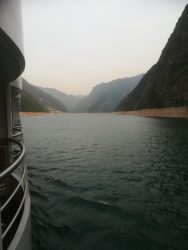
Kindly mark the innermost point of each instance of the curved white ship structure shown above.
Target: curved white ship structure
(14, 195)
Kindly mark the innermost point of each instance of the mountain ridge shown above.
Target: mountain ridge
(104, 97)
(30, 104)
(33, 94)
(165, 84)
(70, 101)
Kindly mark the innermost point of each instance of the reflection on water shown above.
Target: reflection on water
(108, 182)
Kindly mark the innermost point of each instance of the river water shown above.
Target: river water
(108, 182)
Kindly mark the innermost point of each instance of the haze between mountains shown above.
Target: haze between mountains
(161, 92)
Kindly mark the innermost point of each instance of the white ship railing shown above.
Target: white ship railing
(19, 133)
(16, 170)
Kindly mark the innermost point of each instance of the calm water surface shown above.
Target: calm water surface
(108, 182)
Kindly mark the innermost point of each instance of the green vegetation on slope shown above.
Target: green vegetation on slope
(70, 101)
(47, 101)
(30, 104)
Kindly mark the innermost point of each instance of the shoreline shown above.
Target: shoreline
(173, 112)
(28, 114)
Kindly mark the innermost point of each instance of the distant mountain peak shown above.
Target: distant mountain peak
(104, 97)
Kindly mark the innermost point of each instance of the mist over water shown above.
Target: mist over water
(108, 182)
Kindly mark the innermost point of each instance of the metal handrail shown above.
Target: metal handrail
(13, 193)
(17, 128)
(17, 134)
(21, 183)
(16, 214)
(15, 164)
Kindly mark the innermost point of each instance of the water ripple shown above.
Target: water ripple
(108, 182)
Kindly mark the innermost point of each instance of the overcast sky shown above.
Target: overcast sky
(72, 45)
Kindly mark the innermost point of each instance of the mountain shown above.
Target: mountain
(166, 83)
(35, 96)
(30, 104)
(70, 101)
(105, 96)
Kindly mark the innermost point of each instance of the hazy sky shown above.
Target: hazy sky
(72, 45)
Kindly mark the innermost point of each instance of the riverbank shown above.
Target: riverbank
(181, 112)
(23, 114)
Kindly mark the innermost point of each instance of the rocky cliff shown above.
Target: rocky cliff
(166, 83)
